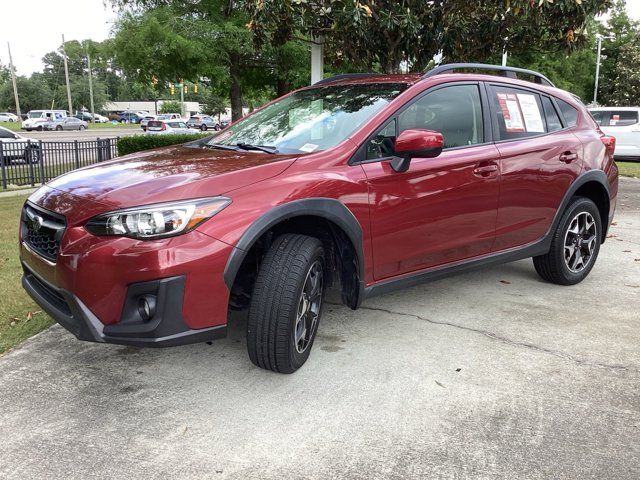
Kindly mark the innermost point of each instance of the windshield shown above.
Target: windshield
(311, 120)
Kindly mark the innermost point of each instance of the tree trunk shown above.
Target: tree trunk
(236, 91)
(282, 87)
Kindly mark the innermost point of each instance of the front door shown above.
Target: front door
(443, 209)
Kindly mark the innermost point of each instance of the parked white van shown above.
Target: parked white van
(38, 117)
(623, 123)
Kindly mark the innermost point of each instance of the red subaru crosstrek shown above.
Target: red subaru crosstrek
(366, 182)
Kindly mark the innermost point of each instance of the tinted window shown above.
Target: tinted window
(6, 134)
(620, 118)
(518, 113)
(454, 111)
(570, 113)
(382, 145)
(550, 115)
(598, 116)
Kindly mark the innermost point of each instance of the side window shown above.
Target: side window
(599, 116)
(454, 111)
(550, 115)
(622, 118)
(6, 134)
(518, 113)
(569, 112)
(383, 143)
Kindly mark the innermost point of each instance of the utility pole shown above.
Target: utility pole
(93, 113)
(317, 59)
(595, 89)
(13, 80)
(182, 98)
(66, 74)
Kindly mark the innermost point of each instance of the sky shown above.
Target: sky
(35, 27)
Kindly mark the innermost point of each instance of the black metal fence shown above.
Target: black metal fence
(32, 162)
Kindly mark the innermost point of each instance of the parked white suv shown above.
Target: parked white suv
(623, 123)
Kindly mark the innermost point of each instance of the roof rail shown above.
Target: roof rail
(343, 76)
(510, 72)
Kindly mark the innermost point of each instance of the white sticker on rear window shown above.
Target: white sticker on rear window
(511, 112)
(531, 113)
(308, 147)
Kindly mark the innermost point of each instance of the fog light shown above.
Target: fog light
(147, 307)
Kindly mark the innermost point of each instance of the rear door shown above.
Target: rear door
(443, 209)
(539, 158)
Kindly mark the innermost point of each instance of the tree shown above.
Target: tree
(170, 107)
(620, 33)
(34, 92)
(626, 83)
(386, 34)
(214, 105)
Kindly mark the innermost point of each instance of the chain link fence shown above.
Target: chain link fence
(24, 163)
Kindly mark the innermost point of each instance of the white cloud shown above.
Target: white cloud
(35, 27)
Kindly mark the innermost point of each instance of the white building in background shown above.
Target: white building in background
(191, 108)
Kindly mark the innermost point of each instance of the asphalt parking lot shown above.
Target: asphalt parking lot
(491, 374)
(90, 134)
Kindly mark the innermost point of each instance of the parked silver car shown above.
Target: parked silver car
(68, 123)
(203, 122)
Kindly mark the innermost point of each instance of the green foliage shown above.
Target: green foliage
(138, 143)
(384, 34)
(625, 88)
(34, 91)
(171, 107)
(214, 104)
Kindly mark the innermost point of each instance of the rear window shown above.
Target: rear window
(621, 118)
(569, 112)
(154, 124)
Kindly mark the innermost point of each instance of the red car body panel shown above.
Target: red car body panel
(467, 203)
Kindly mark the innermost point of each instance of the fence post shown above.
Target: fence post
(77, 153)
(2, 167)
(116, 146)
(29, 158)
(41, 162)
(107, 148)
(98, 145)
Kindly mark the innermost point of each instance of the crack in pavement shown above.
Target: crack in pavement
(505, 340)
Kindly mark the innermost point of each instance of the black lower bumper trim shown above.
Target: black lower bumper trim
(69, 311)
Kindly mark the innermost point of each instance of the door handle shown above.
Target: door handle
(568, 157)
(485, 170)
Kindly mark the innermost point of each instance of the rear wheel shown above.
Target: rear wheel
(203, 127)
(59, 128)
(286, 304)
(575, 244)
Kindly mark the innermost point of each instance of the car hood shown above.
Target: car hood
(169, 174)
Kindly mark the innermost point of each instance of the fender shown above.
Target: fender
(589, 176)
(327, 208)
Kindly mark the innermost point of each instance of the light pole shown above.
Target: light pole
(595, 89)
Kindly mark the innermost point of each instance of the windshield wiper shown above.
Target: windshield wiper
(261, 148)
(220, 146)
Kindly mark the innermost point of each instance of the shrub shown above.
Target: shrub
(137, 143)
(171, 106)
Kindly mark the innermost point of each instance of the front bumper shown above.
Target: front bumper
(165, 329)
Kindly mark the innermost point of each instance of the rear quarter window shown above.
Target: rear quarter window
(569, 112)
(622, 118)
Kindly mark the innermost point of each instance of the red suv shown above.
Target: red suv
(366, 182)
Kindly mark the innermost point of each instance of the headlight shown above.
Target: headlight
(157, 221)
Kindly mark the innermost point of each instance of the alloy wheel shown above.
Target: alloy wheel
(580, 242)
(309, 307)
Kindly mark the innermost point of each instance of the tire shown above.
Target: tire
(279, 338)
(575, 239)
(82, 127)
(203, 127)
(39, 129)
(58, 128)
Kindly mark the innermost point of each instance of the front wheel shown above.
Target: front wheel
(574, 246)
(58, 128)
(286, 304)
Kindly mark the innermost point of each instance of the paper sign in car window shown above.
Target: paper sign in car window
(308, 147)
(614, 120)
(513, 121)
(531, 113)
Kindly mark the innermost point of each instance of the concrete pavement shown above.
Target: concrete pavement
(491, 374)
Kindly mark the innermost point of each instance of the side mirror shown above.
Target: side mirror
(416, 143)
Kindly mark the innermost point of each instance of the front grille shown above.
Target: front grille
(49, 293)
(42, 230)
